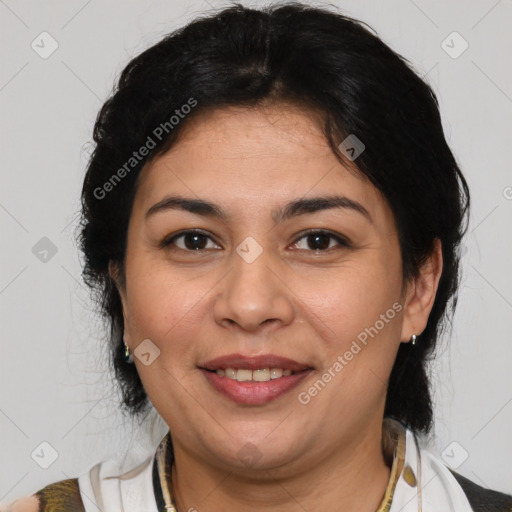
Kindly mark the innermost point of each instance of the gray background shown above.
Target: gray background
(53, 382)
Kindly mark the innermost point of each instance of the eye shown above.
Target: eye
(316, 240)
(320, 240)
(192, 241)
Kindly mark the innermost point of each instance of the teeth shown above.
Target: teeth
(261, 375)
(243, 375)
(275, 373)
(230, 373)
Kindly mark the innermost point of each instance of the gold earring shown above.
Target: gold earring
(128, 357)
(413, 339)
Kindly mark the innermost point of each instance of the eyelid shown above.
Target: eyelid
(342, 240)
(170, 239)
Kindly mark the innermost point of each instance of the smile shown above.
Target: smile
(261, 375)
(244, 388)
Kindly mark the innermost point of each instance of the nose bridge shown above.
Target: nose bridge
(252, 293)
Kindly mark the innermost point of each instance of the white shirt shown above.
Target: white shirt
(419, 481)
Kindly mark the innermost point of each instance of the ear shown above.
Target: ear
(114, 272)
(420, 294)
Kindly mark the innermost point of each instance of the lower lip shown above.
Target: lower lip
(254, 393)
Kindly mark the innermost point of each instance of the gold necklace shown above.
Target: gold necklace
(165, 472)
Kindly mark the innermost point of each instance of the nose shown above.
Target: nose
(253, 294)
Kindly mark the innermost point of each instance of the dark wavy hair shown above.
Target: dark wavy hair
(315, 58)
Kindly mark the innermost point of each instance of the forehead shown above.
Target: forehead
(283, 127)
(254, 158)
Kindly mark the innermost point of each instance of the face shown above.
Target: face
(319, 284)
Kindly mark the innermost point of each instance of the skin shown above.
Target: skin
(291, 301)
(27, 504)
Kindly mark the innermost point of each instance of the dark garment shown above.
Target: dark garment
(484, 500)
(64, 496)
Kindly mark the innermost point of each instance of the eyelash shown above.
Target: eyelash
(342, 241)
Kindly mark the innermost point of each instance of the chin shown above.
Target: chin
(262, 452)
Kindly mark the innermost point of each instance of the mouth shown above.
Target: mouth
(254, 362)
(259, 375)
(254, 380)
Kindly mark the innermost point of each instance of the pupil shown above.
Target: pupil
(193, 245)
(319, 236)
(319, 241)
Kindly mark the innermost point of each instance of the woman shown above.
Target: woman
(271, 217)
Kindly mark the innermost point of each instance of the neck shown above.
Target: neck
(354, 477)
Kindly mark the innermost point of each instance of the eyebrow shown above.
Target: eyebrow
(292, 209)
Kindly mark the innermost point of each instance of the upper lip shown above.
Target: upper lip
(254, 362)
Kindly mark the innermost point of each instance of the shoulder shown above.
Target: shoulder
(482, 499)
(60, 496)
(26, 504)
(447, 489)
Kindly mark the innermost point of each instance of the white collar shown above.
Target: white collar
(423, 483)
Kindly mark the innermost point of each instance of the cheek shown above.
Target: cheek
(359, 305)
(161, 305)
(164, 309)
(364, 328)
(353, 296)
